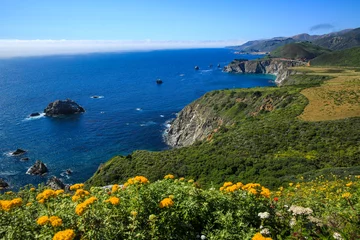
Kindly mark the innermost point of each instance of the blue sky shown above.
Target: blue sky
(170, 19)
(157, 24)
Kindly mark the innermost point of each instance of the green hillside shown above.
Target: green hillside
(264, 142)
(301, 50)
(348, 57)
(346, 40)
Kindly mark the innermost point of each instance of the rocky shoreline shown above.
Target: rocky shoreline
(277, 67)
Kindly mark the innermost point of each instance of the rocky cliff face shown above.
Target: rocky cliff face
(277, 67)
(195, 122)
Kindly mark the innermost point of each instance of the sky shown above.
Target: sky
(108, 25)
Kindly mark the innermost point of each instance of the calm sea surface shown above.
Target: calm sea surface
(132, 113)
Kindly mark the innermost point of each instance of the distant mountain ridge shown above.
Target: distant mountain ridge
(336, 41)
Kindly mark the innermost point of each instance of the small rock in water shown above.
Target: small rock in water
(159, 81)
(35, 114)
(3, 184)
(39, 168)
(18, 152)
(24, 159)
(55, 183)
(197, 68)
(218, 65)
(69, 171)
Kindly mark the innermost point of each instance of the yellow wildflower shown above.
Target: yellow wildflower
(265, 192)
(349, 184)
(221, 188)
(166, 202)
(181, 179)
(29, 204)
(55, 221)
(232, 188)
(80, 208)
(58, 192)
(239, 184)
(259, 236)
(290, 184)
(76, 186)
(32, 189)
(227, 184)
(171, 196)
(191, 181)
(67, 234)
(250, 185)
(141, 179)
(46, 194)
(113, 200)
(75, 198)
(169, 176)
(114, 188)
(7, 205)
(42, 220)
(9, 192)
(346, 195)
(133, 213)
(252, 190)
(41, 200)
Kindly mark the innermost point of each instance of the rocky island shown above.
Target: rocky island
(63, 107)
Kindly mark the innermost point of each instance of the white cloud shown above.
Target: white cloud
(22, 48)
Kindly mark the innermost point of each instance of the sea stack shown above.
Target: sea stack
(63, 107)
(39, 168)
(18, 152)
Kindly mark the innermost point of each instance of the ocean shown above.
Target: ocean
(131, 113)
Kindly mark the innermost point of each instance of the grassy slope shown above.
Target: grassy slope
(271, 147)
(348, 57)
(299, 50)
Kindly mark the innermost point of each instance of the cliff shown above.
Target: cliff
(277, 67)
(195, 122)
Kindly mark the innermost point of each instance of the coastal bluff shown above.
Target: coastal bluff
(278, 67)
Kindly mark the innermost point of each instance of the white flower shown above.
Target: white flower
(298, 210)
(337, 236)
(202, 237)
(292, 222)
(265, 231)
(264, 215)
(286, 206)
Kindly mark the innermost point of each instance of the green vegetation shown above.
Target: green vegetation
(348, 58)
(301, 50)
(178, 209)
(342, 41)
(262, 140)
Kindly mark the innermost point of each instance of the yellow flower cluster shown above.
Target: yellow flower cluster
(137, 179)
(169, 176)
(80, 193)
(7, 205)
(53, 220)
(77, 186)
(67, 234)
(114, 188)
(259, 236)
(346, 195)
(45, 195)
(80, 208)
(166, 202)
(349, 184)
(113, 200)
(181, 179)
(253, 188)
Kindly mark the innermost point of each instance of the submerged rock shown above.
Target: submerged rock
(63, 107)
(34, 114)
(159, 81)
(39, 168)
(55, 183)
(197, 68)
(3, 184)
(24, 159)
(18, 152)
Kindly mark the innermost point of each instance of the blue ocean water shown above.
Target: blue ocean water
(131, 115)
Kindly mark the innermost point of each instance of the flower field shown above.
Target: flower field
(177, 208)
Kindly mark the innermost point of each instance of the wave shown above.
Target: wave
(149, 123)
(181, 75)
(162, 116)
(35, 117)
(9, 173)
(138, 109)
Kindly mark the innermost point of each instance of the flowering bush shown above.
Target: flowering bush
(178, 209)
